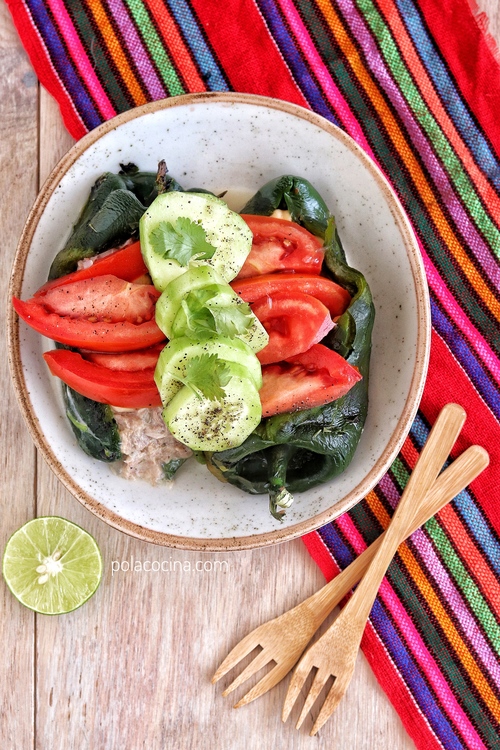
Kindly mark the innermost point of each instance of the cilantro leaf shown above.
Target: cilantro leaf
(182, 240)
(207, 375)
(208, 310)
(197, 322)
(233, 320)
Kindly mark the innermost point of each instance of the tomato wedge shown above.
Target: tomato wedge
(332, 295)
(100, 336)
(280, 245)
(103, 298)
(313, 378)
(134, 390)
(126, 263)
(142, 359)
(294, 323)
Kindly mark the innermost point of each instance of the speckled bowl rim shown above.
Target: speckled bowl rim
(421, 361)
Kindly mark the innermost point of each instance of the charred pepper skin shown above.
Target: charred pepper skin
(110, 216)
(296, 195)
(95, 230)
(320, 441)
(93, 426)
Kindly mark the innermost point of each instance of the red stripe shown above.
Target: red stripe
(396, 690)
(46, 74)
(469, 57)
(409, 453)
(478, 567)
(447, 381)
(320, 554)
(236, 31)
(179, 53)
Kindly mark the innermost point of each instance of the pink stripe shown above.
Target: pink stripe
(324, 78)
(75, 49)
(428, 665)
(62, 88)
(131, 38)
(394, 685)
(390, 489)
(449, 303)
(347, 527)
(458, 316)
(455, 600)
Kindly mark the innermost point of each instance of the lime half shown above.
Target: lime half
(52, 565)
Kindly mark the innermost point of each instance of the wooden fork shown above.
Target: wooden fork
(334, 654)
(284, 638)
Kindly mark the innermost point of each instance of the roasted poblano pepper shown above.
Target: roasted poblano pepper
(93, 426)
(110, 216)
(293, 452)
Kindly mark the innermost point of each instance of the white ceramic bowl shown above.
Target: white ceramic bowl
(235, 142)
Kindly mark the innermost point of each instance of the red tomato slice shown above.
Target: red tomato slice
(98, 336)
(134, 390)
(103, 298)
(280, 245)
(126, 263)
(294, 323)
(312, 378)
(332, 295)
(143, 359)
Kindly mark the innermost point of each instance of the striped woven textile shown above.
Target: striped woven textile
(417, 85)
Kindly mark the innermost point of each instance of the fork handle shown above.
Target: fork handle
(450, 482)
(439, 443)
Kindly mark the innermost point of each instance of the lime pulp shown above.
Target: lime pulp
(51, 565)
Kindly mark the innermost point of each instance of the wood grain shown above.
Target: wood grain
(132, 667)
(18, 175)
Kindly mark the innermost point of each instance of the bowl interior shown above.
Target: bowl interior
(234, 143)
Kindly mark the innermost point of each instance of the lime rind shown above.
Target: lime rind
(52, 565)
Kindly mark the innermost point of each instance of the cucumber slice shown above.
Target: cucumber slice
(173, 359)
(218, 314)
(170, 300)
(204, 424)
(224, 229)
(222, 306)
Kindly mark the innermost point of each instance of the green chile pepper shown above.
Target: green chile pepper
(110, 216)
(296, 195)
(93, 426)
(296, 451)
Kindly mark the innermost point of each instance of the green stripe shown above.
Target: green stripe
(456, 569)
(431, 632)
(111, 82)
(400, 472)
(156, 48)
(476, 601)
(437, 139)
(375, 132)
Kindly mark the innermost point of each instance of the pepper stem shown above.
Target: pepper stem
(279, 497)
(163, 181)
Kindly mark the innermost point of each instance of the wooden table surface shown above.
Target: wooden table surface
(131, 669)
